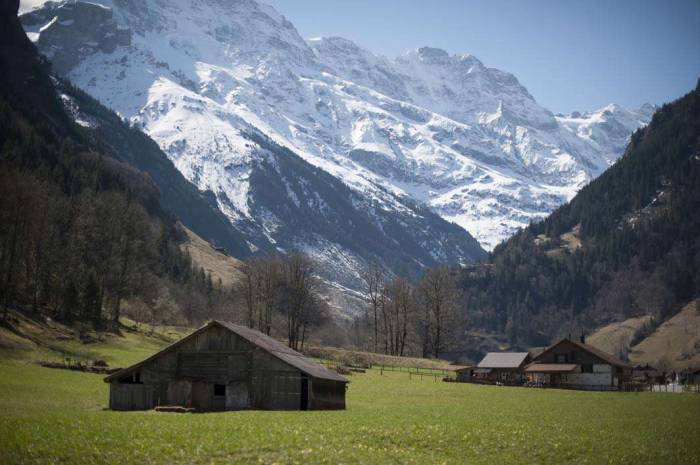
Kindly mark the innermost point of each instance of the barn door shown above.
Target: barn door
(304, 393)
(201, 396)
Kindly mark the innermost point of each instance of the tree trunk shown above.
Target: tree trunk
(10, 264)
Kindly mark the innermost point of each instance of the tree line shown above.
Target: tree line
(403, 318)
(280, 294)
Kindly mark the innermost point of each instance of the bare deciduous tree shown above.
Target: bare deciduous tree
(400, 311)
(282, 286)
(373, 276)
(439, 296)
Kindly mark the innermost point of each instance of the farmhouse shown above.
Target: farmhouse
(504, 367)
(647, 373)
(464, 374)
(578, 365)
(223, 366)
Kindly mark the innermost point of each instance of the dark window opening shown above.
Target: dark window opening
(560, 358)
(587, 368)
(219, 389)
(133, 378)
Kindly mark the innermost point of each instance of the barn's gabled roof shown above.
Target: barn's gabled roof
(604, 356)
(503, 360)
(260, 340)
(283, 352)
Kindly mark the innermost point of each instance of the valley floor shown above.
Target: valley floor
(58, 416)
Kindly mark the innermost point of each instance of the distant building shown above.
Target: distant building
(464, 374)
(690, 376)
(578, 365)
(223, 366)
(647, 373)
(503, 367)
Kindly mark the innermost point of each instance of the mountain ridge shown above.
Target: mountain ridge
(427, 128)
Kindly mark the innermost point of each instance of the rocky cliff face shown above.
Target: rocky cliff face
(81, 29)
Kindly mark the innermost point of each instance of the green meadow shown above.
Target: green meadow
(58, 416)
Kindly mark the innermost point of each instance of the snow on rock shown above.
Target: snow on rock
(426, 128)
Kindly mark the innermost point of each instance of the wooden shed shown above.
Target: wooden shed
(223, 366)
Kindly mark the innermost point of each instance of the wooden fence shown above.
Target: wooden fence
(434, 374)
(675, 388)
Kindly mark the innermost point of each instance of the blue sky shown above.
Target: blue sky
(571, 55)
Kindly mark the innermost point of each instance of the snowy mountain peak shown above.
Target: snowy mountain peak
(439, 57)
(334, 41)
(647, 109)
(426, 129)
(432, 55)
(343, 55)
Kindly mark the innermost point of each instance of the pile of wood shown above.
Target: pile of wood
(358, 368)
(347, 369)
(98, 366)
(342, 370)
(174, 409)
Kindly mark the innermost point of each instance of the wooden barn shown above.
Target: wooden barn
(223, 366)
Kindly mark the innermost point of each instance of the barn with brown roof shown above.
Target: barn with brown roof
(578, 365)
(224, 366)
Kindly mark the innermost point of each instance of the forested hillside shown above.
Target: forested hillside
(81, 231)
(626, 245)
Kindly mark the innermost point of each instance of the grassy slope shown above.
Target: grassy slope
(615, 335)
(34, 339)
(676, 341)
(221, 266)
(51, 416)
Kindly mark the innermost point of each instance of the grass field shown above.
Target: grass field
(58, 416)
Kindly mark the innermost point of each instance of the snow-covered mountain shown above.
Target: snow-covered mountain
(224, 85)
